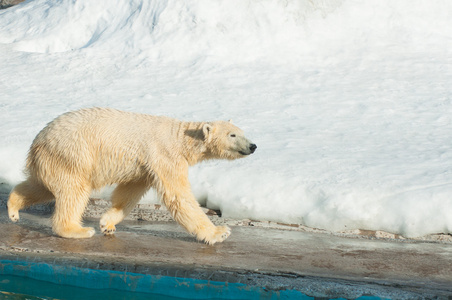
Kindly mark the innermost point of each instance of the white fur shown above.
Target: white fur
(90, 148)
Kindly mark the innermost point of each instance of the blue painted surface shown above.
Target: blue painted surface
(141, 283)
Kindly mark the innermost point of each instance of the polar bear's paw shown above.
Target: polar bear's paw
(13, 214)
(74, 231)
(221, 233)
(107, 229)
(14, 205)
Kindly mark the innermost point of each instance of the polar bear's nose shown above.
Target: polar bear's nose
(253, 148)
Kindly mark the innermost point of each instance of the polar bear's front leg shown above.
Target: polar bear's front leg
(186, 211)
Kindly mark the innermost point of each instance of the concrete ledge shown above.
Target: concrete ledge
(261, 254)
(318, 265)
(157, 212)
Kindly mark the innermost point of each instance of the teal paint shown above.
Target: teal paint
(141, 283)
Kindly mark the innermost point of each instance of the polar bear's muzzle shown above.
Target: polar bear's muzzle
(251, 149)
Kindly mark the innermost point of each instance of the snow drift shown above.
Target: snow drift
(349, 101)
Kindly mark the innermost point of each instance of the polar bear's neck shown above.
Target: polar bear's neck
(194, 148)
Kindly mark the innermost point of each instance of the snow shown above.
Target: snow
(349, 102)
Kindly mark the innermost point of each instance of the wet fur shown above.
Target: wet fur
(85, 150)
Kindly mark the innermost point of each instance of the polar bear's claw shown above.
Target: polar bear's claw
(108, 231)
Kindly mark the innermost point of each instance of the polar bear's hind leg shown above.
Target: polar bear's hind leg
(26, 194)
(124, 199)
(70, 204)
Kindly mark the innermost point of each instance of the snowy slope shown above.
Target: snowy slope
(349, 102)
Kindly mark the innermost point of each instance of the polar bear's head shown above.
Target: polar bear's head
(224, 140)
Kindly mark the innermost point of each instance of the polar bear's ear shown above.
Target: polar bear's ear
(207, 130)
(230, 121)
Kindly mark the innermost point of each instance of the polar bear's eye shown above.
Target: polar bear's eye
(232, 135)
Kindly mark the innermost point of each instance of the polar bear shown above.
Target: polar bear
(85, 150)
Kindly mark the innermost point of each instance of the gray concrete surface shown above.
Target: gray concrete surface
(319, 265)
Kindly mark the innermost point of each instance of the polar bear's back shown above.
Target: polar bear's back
(105, 145)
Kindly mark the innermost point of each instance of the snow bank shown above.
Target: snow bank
(348, 101)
